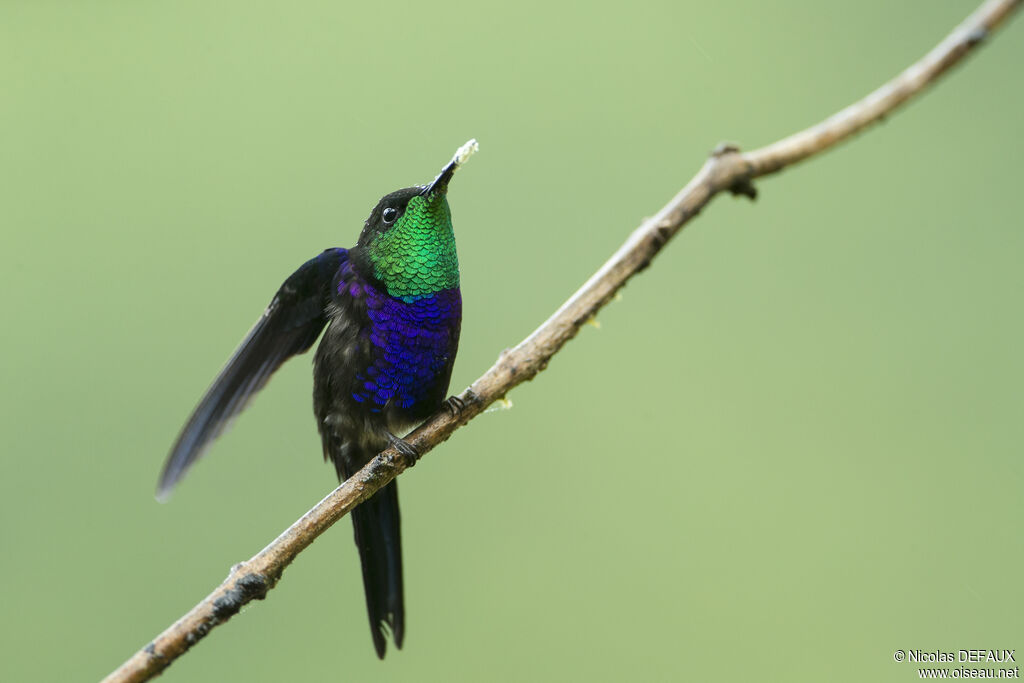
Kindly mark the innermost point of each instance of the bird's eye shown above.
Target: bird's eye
(389, 215)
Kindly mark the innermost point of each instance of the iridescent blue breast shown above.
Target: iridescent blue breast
(413, 343)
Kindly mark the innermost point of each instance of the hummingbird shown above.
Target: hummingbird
(392, 310)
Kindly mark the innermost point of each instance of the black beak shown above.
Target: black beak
(441, 181)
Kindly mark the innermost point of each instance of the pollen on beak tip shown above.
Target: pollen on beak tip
(466, 151)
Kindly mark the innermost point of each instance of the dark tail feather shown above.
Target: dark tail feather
(379, 539)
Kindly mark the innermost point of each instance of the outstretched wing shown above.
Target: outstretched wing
(289, 326)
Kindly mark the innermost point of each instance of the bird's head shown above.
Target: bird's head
(408, 242)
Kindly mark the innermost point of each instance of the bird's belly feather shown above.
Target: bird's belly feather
(384, 363)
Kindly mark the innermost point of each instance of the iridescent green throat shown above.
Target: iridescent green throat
(417, 258)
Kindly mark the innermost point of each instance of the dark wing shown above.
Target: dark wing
(289, 326)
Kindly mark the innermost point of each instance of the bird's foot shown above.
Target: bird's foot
(412, 455)
(455, 406)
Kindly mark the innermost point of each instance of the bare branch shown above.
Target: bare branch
(726, 170)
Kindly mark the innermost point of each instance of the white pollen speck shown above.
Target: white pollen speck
(501, 404)
(465, 152)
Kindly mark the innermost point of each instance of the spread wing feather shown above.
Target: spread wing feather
(290, 325)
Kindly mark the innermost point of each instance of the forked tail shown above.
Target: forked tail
(379, 540)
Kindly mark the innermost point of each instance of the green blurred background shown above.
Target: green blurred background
(792, 448)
